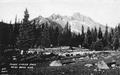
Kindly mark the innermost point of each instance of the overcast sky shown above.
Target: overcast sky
(102, 11)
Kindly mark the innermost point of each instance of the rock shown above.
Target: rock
(55, 63)
(21, 52)
(88, 65)
(102, 65)
(95, 70)
(113, 65)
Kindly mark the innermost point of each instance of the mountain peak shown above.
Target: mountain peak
(39, 20)
(76, 21)
(77, 14)
(56, 16)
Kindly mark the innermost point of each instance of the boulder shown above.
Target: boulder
(55, 63)
(102, 65)
(88, 65)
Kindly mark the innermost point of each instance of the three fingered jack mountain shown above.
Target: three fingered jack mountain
(75, 21)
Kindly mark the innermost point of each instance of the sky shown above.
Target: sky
(101, 11)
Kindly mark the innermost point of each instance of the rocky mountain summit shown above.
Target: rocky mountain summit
(75, 21)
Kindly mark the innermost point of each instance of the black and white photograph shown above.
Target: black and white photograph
(59, 37)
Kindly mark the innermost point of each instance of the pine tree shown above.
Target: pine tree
(88, 38)
(33, 34)
(67, 35)
(45, 40)
(110, 36)
(100, 35)
(56, 34)
(75, 40)
(116, 37)
(38, 36)
(94, 34)
(78, 40)
(51, 35)
(26, 17)
(105, 38)
(15, 33)
(82, 36)
(24, 40)
(61, 39)
(115, 43)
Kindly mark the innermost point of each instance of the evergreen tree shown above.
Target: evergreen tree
(56, 34)
(61, 39)
(78, 40)
(100, 35)
(110, 38)
(94, 35)
(67, 35)
(45, 41)
(111, 34)
(24, 40)
(89, 36)
(11, 38)
(51, 35)
(38, 36)
(26, 17)
(82, 36)
(105, 38)
(33, 34)
(15, 33)
(116, 37)
(75, 40)
(115, 43)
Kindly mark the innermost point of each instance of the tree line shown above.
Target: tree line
(25, 35)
